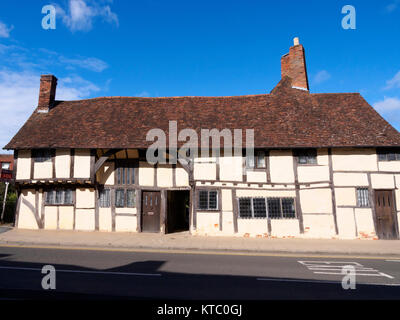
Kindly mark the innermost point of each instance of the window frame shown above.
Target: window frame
(54, 204)
(307, 153)
(359, 204)
(385, 152)
(258, 154)
(281, 217)
(125, 197)
(108, 200)
(42, 155)
(199, 208)
(129, 168)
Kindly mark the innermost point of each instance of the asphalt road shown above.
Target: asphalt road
(98, 274)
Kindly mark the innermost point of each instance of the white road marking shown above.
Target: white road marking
(336, 267)
(86, 271)
(393, 260)
(325, 281)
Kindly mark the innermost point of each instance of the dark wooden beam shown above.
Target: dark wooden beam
(104, 158)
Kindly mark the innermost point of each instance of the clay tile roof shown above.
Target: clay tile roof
(285, 118)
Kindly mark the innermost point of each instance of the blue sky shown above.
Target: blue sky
(194, 48)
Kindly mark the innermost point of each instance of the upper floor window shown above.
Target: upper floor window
(256, 161)
(5, 165)
(59, 197)
(388, 154)
(306, 156)
(41, 155)
(208, 200)
(125, 173)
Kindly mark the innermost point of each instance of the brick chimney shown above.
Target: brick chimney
(293, 65)
(47, 92)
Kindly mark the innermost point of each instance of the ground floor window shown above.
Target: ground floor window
(125, 198)
(208, 200)
(59, 197)
(363, 197)
(273, 208)
(104, 198)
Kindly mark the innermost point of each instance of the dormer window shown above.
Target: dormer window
(306, 156)
(387, 154)
(41, 155)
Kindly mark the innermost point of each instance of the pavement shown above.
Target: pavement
(183, 241)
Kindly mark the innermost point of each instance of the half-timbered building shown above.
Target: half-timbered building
(324, 166)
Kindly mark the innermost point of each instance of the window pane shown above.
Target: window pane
(249, 162)
(118, 175)
(105, 200)
(260, 159)
(212, 200)
(119, 198)
(59, 197)
(391, 157)
(68, 197)
(203, 200)
(302, 159)
(50, 197)
(274, 208)
(259, 208)
(5, 165)
(382, 156)
(130, 198)
(308, 156)
(245, 208)
(363, 197)
(288, 208)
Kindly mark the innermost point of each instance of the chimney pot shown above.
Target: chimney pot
(296, 41)
(47, 92)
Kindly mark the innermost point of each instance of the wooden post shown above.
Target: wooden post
(4, 201)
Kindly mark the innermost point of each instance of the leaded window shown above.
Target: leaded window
(208, 200)
(104, 198)
(387, 154)
(306, 156)
(273, 208)
(125, 173)
(59, 197)
(41, 155)
(362, 197)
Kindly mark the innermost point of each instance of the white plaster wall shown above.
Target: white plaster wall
(382, 181)
(230, 168)
(146, 174)
(226, 200)
(281, 166)
(316, 201)
(26, 218)
(43, 170)
(181, 177)
(164, 175)
(126, 210)
(205, 171)
(265, 193)
(313, 173)
(350, 179)
(63, 163)
(351, 159)
(346, 223)
(207, 223)
(85, 198)
(256, 176)
(345, 196)
(23, 165)
(322, 157)
(50, 218)
(84, 219)
(82, 164)
(318, 226)
(253, 227)
(105, 219)
(66, 218)
(284, 228)
(365, 223)
(389, 166)
(125, 223)
(227, 223)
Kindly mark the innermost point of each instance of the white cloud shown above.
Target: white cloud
(4, 30)
(142, 94)
(81, 14)
(19, 93)
(388, 105)
(392, 6)
(321, 76)
(394, 82)
(92, 64)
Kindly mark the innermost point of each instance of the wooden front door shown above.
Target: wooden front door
(385, 214)
(151, 204)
